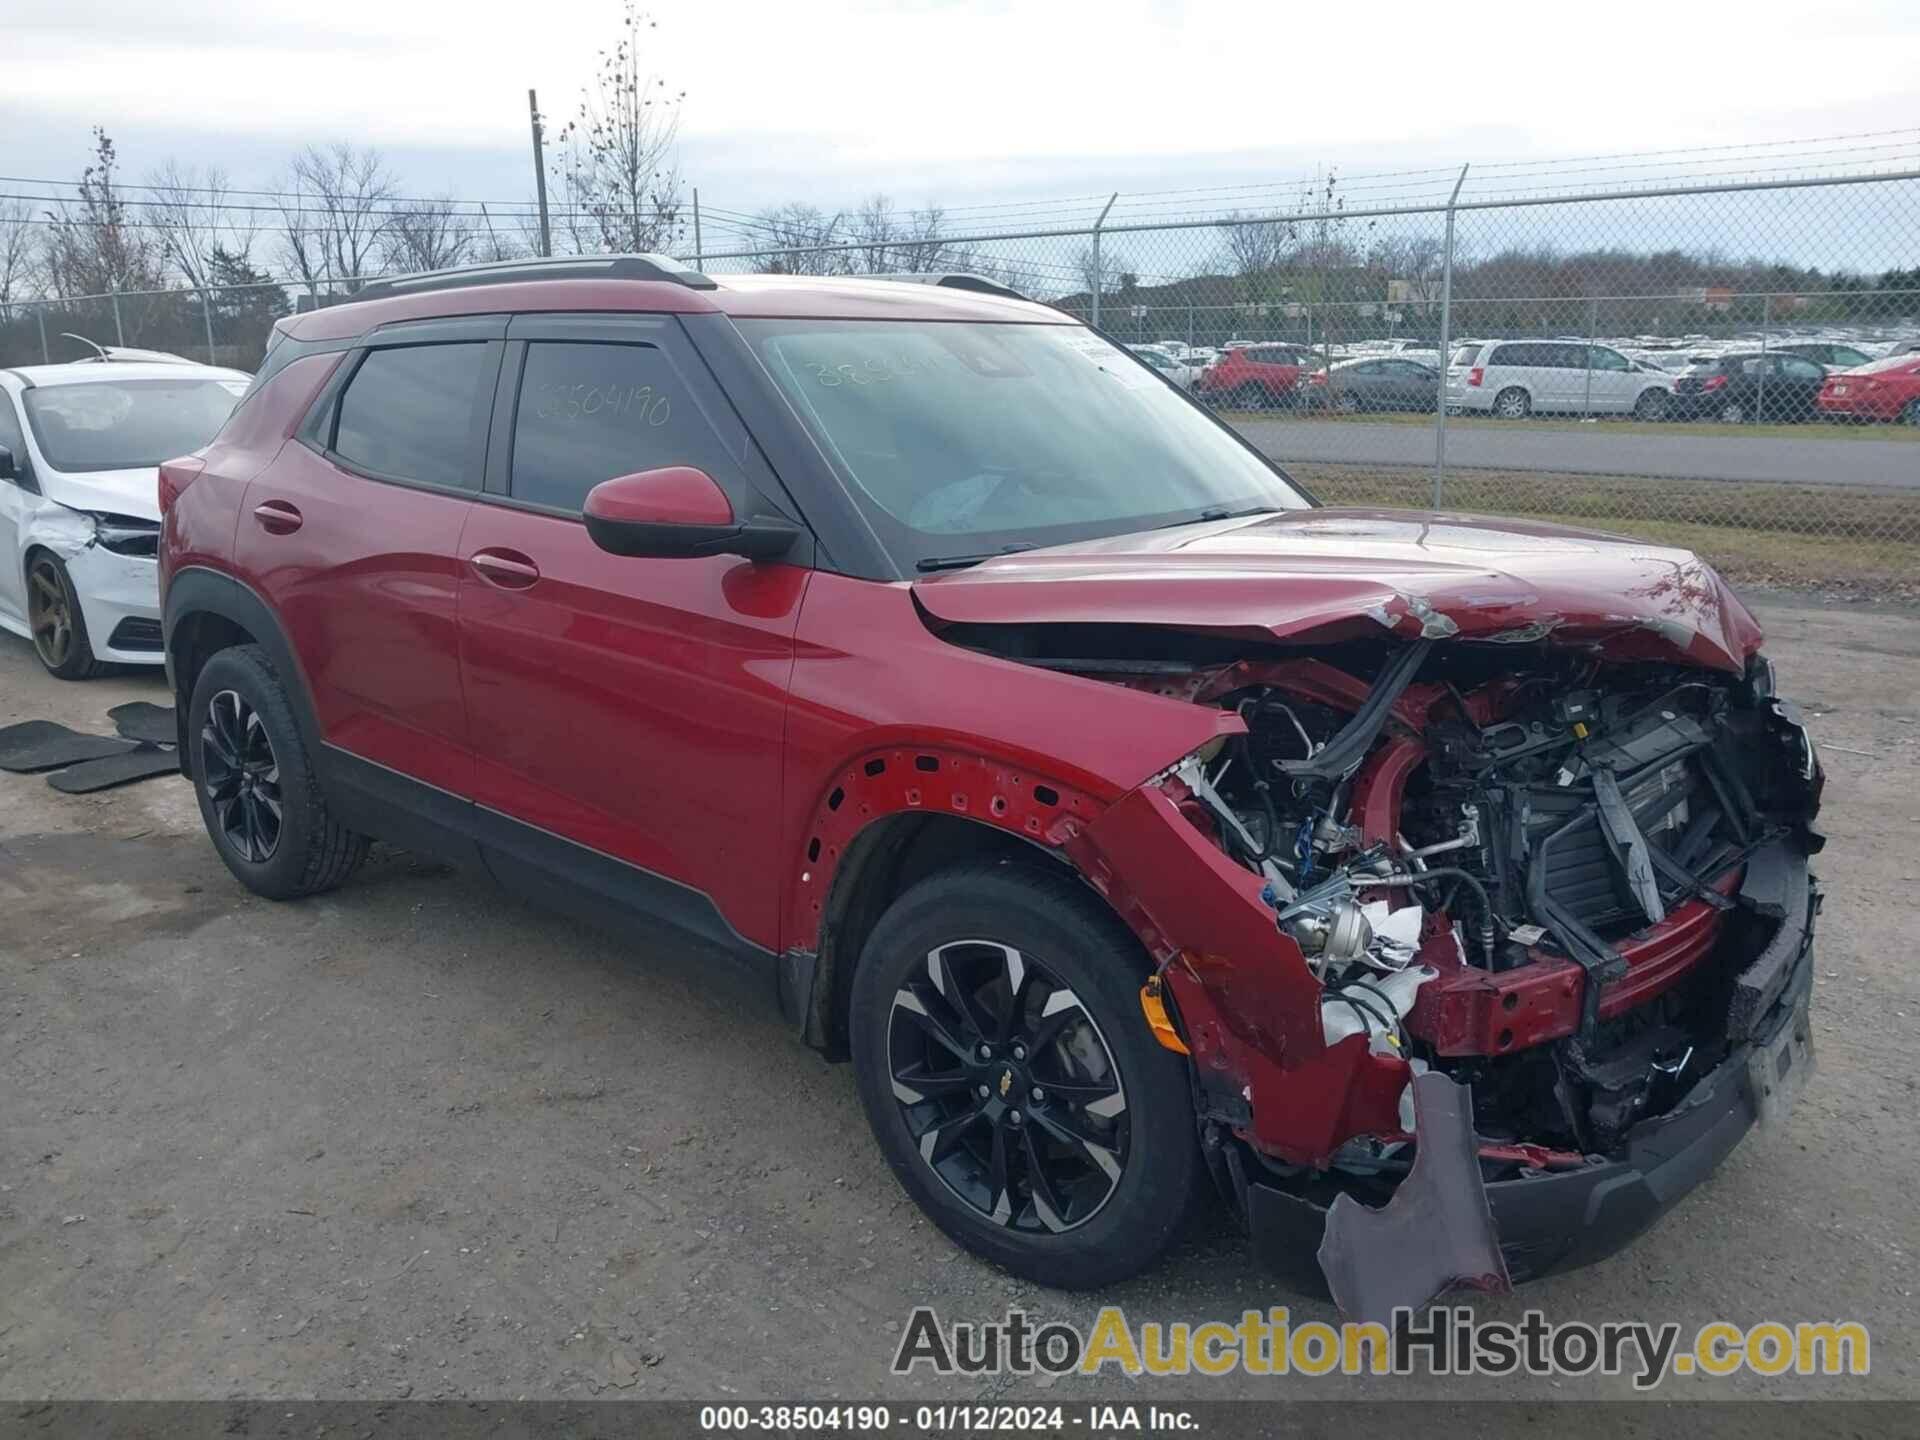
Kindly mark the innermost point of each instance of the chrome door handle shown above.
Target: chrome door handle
(507, 569)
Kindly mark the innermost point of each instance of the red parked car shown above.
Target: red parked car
(1887, 389)
(1252, 377)
(940, 675)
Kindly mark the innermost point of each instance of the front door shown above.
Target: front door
(633, 707)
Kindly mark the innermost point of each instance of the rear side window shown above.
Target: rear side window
(1516, 355)
(589, 411)
(1466, 354)
(415, 412)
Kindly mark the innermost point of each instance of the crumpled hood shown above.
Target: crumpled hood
(1345, 574)
(133, 492)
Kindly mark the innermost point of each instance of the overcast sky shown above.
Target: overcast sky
(958, 103)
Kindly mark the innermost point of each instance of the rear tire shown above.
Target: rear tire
(1079, 1162)
(1247, 397)
(1513, 403)
(259, 796)
(1733, 413)
(1652, 405)
(58, 624)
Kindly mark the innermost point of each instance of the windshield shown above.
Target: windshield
(960, 439)
(127, 424)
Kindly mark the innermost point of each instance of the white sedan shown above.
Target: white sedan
(1178, 371)
(80, 451)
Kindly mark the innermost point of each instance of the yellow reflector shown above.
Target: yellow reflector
(1158, 1021)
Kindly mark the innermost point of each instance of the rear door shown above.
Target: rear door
(626, 713)
(351, 537)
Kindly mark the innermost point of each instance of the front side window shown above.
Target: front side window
(966, 438)
(127, 424)
(414, 413)
(589, 412)
(1605, 359)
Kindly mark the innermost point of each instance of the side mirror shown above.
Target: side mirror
(677, 512)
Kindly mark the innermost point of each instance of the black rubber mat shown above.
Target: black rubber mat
(138, 764)
(43, 745)
(143, 720)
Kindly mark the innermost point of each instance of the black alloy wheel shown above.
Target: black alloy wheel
(1008, 1087)
(241, 777)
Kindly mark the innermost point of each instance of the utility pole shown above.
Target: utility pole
(540, 174)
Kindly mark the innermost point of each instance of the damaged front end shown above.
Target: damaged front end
(1485, 947)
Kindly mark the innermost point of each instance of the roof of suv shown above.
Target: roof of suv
(773, 296)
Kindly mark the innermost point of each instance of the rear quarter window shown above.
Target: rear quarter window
(417, 413)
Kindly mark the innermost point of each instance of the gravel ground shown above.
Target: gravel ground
(414, 1139)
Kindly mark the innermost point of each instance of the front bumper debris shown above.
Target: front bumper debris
(1550, 1222)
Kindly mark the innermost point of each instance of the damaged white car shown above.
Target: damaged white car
(80, 447)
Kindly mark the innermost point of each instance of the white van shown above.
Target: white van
(1516, 378)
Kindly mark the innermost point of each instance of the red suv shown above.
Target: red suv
(1252, 377)
(930, 668)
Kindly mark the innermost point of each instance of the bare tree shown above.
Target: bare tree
(194, 216)
(792, 237)
(335, 212)
(1256, 249)
(495, 241)
(92, 245)
(16, 254)
(888, 242)
(616, 171)
(1415, 261)
(429, 235)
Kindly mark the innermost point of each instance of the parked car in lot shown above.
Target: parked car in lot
(1387, 383)
(1513, 379)
(79, 448)
(1830, 353)
(1881, 390)
(1252, 377)
(1028, 739)
(1747, 386)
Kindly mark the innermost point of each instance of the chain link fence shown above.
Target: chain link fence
(1712, 366)
(1662, 362)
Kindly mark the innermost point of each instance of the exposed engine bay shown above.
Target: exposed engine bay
(1488, 818)
(1571, 886)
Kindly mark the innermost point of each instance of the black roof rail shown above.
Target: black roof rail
(554, 267)
(954, 280)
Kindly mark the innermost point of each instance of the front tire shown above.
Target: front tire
(59, 626)
(259, 796)
(1011, 1081)
(1651, 406)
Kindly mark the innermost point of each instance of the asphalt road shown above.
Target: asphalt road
(415, 1138)
(1596, 449)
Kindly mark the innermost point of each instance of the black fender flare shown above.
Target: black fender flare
(197, 590)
